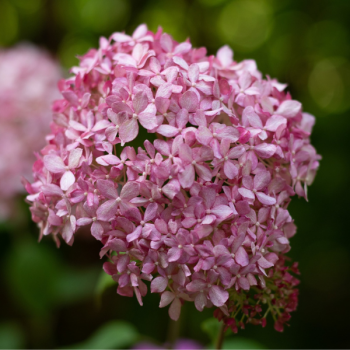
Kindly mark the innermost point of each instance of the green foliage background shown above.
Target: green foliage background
(55, 298)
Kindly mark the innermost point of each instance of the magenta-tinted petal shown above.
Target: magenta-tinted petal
(159, 284)
(148, 121)
(196, 285)
(129, 130)
(244, 283)
(265, 150)
(218, 296)
(107, 210)
(265, 199)
(129, 191)
(200, 301)
(174, 254)
(189, 100)
(97, 230)
(151, 212)
(54, 164)
(242, 257)
(222, 211)
(204, 172)
(167, 130)
(274, 122)
(175, 309)
(230, 169)
(261, 180)
(186, 177)
(245, 193)
(166, 299)
(107, 189)
(135, 234)
(140, 102)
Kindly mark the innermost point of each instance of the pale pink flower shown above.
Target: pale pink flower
(201, 211)
(28, 86)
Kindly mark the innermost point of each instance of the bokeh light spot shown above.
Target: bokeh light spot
(71, 47)
(328, 38)
(108, 12)
(28, 6)
(326, 86)
(8, 23)
(174, 23)
(211, 3)
(246, 24)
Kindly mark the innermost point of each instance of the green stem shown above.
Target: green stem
(173, 332)
(220, 339)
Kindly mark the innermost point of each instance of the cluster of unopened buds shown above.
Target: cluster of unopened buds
(28, 86)
(200, 209)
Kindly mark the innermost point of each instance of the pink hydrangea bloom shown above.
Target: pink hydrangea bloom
(28, 86)
(200, 210)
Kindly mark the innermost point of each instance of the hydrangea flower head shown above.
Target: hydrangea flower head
(199, 209)
(28, 86)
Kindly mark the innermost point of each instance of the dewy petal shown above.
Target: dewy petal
(218, 296)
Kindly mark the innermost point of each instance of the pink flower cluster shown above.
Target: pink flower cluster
(201, 209)
(28, 85)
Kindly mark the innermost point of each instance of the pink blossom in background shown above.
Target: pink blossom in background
(199, 212)
(28, 86)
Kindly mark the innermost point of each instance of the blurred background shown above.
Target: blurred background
(54, 298)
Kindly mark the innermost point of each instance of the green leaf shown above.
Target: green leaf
(104, 281)
(39, 280)
(11, 336)
(112, 335)
(211, 327)
(241, 343)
